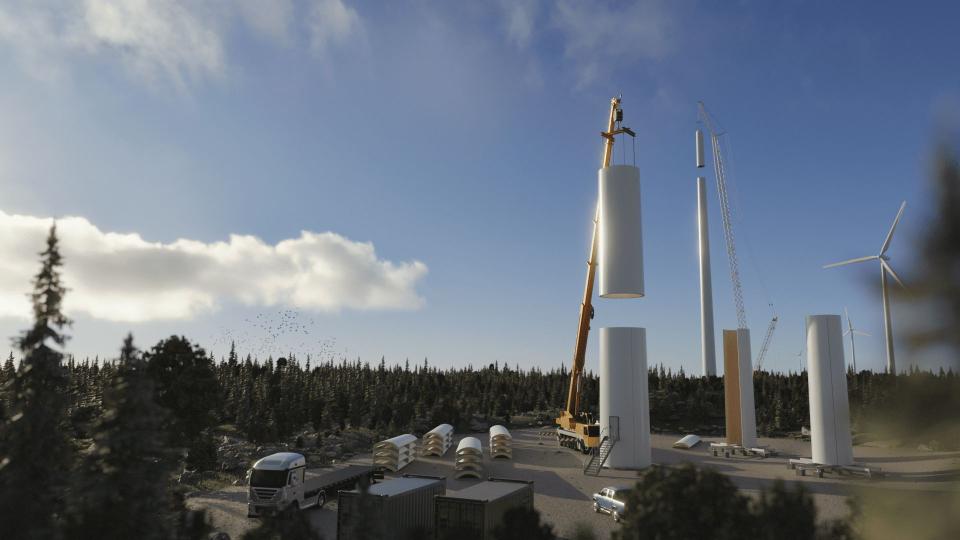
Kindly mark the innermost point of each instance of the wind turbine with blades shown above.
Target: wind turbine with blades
(885, 269)
(851, 331)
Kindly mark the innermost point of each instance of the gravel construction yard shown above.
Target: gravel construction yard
(563, 491)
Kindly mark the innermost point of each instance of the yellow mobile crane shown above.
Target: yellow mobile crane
(574, 429)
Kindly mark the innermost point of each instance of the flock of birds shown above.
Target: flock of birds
(282, 333)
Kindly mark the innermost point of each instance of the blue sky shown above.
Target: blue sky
(465, 138)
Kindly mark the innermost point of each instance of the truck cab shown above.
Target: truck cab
(277, 484)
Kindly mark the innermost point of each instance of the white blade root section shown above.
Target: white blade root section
(852, 261)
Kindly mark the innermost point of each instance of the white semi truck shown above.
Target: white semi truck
(281, 482)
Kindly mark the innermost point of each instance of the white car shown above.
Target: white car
(611, 500)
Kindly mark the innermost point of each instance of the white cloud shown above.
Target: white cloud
(122, 277)
(270, 18)
(332, 24)
(175, 42)
(600, 38)
(38, 35)
(519, 16)
(157, 38)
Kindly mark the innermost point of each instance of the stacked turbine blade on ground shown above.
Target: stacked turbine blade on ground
(501, 443)
(469, 462)
(396, 453)
(437, 441)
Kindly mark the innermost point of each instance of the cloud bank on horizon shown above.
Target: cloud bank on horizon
(123, 277)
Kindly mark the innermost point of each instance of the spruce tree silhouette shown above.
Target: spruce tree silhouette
(36, 456)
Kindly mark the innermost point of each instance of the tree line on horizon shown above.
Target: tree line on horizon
(274, 400)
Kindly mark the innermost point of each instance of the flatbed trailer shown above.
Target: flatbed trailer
(728, 450)
(802, 465)
(329, 483)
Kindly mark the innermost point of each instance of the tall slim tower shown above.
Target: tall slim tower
(708, 355)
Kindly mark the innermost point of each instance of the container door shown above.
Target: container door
(296, 483)
(614, 427)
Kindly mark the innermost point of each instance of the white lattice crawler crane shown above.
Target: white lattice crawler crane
(501, 443)
(739, 412)
(396, 453)
(469, 462)
(437, 441)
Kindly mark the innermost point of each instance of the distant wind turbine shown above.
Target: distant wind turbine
(885, 269)
(851, 331)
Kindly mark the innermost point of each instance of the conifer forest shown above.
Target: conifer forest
(115, 434)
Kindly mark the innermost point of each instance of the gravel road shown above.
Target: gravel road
(563, 491)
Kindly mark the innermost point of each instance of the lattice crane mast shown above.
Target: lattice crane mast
(718, 168)
(728, 236)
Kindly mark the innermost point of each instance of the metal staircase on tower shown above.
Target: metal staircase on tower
(599, 456)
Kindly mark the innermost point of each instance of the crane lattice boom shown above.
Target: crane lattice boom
(718, 167)
(766, 342)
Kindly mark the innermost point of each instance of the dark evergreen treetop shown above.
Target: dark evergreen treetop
(47, 300)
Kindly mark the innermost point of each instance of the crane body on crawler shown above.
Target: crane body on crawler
(574, 429)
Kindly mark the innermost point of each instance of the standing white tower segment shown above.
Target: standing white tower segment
(830, 438)
(708, 350)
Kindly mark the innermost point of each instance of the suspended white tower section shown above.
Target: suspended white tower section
(621, 233)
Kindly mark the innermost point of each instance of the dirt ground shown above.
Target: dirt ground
(563, 492)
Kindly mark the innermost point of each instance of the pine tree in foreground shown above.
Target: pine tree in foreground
(36, 456)
(121, 490)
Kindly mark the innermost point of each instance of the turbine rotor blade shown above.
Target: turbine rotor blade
(851, 261)
(893, 274)
(861, 333)
(886, 242)
(846, 333)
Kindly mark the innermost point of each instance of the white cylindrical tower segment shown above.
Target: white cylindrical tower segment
(621, 238)
(741, 419)
(708, 352)
(624, 396)
(699, 144)
(830, 438)
(748, 415)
